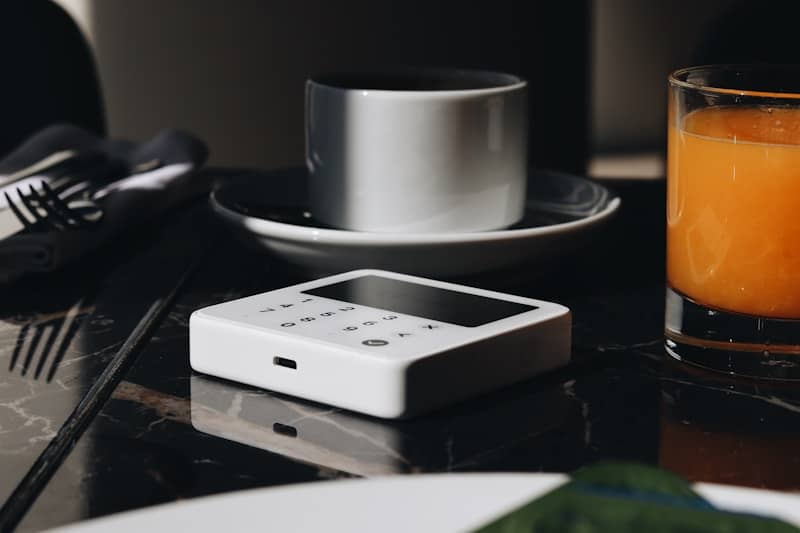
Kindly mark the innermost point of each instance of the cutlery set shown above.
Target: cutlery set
(44, 210)
(66, 191)
(58, 193)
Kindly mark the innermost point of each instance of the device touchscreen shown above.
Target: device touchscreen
(423, 301)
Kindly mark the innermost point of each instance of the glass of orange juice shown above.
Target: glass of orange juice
(733, 219)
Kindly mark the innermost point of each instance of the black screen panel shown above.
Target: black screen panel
(433, 303)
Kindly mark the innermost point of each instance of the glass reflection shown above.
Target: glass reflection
(731, 431)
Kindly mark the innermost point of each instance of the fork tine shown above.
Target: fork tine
(21, 337)
(35, 202)
(47, 193)
(33, 209)
(61, 208)
(54, 329)
(69, 328)
(52, 211)
(37, 336)
(18, 212)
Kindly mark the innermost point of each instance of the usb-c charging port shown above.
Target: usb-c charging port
(283, 429)
(282, 361)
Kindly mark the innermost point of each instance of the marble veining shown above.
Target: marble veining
(57, 335)
(204, 428)
(168, 434)
(32, 407)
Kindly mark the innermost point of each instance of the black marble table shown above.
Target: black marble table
(109, 417)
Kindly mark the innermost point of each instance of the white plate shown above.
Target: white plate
(423, 503)
(271, 212)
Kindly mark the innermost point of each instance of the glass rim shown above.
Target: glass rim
(494, 81)
(674, 80)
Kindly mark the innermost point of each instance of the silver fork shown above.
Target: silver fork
(46, 210)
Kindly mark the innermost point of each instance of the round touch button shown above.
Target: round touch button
(375, 342)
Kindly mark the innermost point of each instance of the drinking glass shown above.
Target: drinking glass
(733, 219)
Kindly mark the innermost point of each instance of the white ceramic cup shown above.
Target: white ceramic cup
(417, 151)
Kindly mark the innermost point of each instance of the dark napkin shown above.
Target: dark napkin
(130, 182)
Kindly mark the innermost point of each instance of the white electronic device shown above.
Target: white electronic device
(378, 342)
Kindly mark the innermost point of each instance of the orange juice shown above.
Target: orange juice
(733, 209)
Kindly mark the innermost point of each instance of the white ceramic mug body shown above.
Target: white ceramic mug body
(389, 159)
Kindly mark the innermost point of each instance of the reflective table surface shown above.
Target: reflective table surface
(101, 413)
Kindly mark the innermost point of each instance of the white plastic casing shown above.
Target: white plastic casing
(418, 365)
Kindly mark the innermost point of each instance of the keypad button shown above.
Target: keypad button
(327, 313)
(288, 324)
(307, 319)
(390, 317)
(430, 326)
(350, 328)
(287, 305)
(404, 334)
(307, 300)
(369, 323)
(347, 309)
(374, 342)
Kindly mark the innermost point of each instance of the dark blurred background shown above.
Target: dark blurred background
(233, 72)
